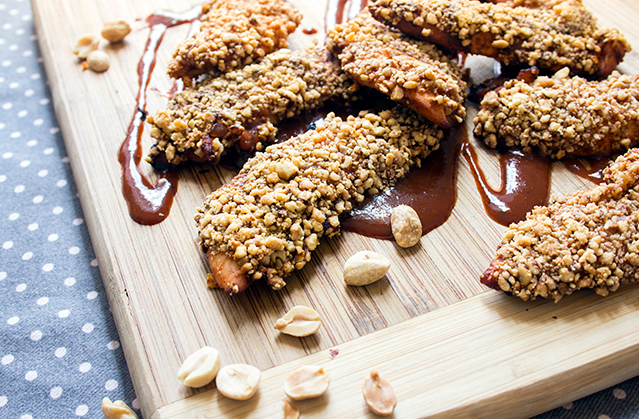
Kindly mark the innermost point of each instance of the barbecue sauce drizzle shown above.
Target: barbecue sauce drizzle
(148, 204)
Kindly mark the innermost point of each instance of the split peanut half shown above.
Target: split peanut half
(238, 381)
(406, 226)
(379, 395)
(200, 368)
(365, 267)
(98, 61)
(307, 382)
(290, 410)
(116, 30)
(299, 321)
(85, 45)
(117, 410)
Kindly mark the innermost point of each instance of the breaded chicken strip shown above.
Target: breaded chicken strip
(234, 33)
(564, 35)
(265, 223)
(412, 72)
(586, 240)
(242, 106)
(563, 116)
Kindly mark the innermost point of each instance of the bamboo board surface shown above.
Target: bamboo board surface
(449, 347)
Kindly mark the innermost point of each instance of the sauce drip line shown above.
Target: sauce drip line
(148, 203)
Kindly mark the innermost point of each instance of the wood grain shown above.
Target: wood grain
(450, 347)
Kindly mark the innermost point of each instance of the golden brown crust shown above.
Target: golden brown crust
(586, 240)
(563, 116)
(234, 33)
(270, 217)
(243, 106)
(564, 35)
(412, 72)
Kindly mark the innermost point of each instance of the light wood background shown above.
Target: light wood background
(450, 347)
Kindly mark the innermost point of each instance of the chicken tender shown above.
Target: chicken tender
(234, 33)
(547, 34)
(589, 240)
(563, 116)
(412, 72)
(241, 107)
(266, 221)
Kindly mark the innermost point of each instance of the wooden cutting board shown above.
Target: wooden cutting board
(450, 347)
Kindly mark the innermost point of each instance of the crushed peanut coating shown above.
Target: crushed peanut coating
(547, 4)
(586, 240)
(266, 221)
(234, 33)
(548, 34)
(563, 116)
(413, 72)
(242, 106)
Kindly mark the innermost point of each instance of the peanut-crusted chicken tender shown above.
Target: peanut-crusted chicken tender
(563, 116)
(234, 33)
(548, 34)
(266, 221)
(586, 240)
(415, 73)
(243, 106)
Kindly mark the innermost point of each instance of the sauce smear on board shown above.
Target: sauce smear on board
(525, 183)
(431, 190)
(590, 168)
(148, 203)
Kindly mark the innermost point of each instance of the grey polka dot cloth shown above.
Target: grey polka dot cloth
(59, 350)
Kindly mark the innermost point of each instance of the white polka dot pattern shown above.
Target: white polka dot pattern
(59, 349)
